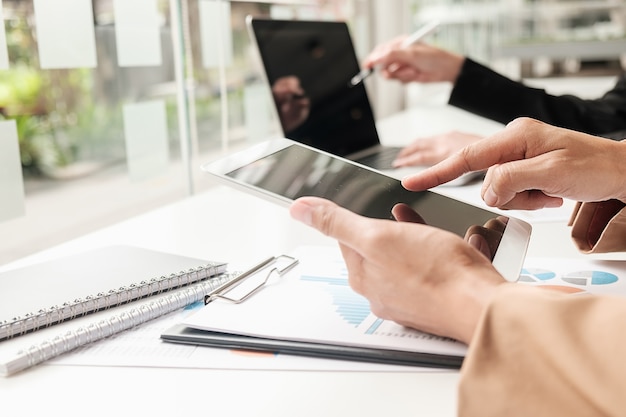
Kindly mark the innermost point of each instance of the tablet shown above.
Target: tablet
(282, 170)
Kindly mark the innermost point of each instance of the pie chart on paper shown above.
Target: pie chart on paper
(585, 278)
(536, 275)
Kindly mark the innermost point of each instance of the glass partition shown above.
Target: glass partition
(108, 107)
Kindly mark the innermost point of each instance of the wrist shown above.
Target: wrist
(471, 298)
(455, 65)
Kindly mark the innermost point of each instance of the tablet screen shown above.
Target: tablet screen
(297, 171)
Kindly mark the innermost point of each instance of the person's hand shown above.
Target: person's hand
(417, 63)
(293, 105)
(416, 275)
(430, 150)
(532, 165)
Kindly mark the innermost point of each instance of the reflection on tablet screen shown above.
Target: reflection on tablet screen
(297, 171)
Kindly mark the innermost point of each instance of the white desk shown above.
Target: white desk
(226, 224)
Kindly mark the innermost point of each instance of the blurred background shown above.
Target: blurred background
(108, 108)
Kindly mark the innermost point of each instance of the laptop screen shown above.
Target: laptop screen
(309, 65)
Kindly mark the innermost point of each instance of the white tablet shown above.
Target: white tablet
(282, 170)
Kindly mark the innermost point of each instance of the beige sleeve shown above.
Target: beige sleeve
(599, 227)
(539, 353)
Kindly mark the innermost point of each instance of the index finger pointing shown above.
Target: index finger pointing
(445, 171)
(505, 146)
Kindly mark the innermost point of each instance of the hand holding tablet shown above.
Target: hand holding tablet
(282, 170)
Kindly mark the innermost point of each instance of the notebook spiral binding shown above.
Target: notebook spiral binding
(101, 301)
(114, 324)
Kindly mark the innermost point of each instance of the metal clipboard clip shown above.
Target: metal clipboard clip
(286, 264)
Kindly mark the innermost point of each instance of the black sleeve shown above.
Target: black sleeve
(486, 93)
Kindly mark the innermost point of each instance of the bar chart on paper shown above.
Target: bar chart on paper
(355, 310)
(352, 307)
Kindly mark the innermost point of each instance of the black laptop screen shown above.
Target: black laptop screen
(309, 65)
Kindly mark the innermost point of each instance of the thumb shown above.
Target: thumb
(327, 217)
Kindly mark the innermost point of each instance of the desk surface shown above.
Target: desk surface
(226, 224)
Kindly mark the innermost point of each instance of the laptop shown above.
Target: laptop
(309, 65)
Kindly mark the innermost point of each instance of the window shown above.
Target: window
(108, 107)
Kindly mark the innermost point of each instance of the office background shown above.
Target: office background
(108, 107)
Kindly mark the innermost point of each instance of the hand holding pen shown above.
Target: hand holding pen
(407, 59)
(412, 39)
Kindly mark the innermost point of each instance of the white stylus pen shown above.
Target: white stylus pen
(412, 39)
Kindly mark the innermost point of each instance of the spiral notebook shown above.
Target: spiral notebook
(52, 292)
(36, 347)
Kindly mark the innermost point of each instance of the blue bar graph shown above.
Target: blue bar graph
(354, 309)
(351, 307)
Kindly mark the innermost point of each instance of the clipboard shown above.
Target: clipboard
(186, 335)
(259, 296)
